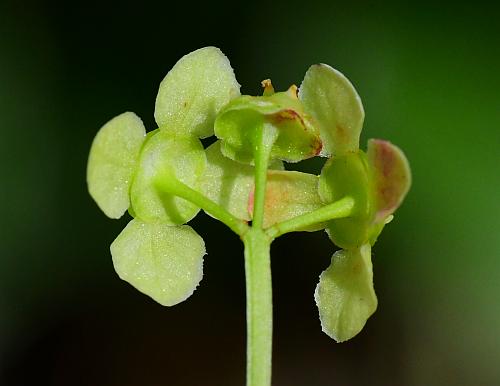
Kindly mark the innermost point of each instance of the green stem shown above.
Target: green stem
(338, 209)
(259, 307)
(265, 140)
(258, 271)
(172, 185)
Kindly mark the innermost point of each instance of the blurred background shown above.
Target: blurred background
(429, 78)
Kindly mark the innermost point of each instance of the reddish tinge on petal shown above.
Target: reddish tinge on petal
(288, 194)
(391, 176)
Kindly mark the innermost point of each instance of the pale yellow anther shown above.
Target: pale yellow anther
(268, 87)
(293, 91)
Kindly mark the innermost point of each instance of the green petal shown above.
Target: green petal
(112, 161)
(348, 176)
(227, 182)
(163, 262)
(166, 155)
(336, 107)
(290, 194)
(240, 122)
(193, 92)
(391, 176)
(344, 295)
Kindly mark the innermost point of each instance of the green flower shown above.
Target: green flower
(163, 178)
(280, 116)
(378, 180)
(126, 169)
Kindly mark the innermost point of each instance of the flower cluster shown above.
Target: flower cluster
(164, 177)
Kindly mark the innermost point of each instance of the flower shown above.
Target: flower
(378, 180)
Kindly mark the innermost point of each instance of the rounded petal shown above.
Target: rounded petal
(344, 295)
(163, 262)
(166, 155)
(290, 194)
(332, 101)
(112, 161)
(226, 182)
(193, 92)
(229, 183)
(391, 176)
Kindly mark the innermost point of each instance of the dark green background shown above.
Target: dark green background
(429, 78)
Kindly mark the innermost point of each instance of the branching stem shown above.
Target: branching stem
(338, 209)
(257, 242)
(258, 272)
(172, 185)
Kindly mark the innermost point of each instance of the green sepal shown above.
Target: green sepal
(345, 295)
(289, 194)
(193, 92)
(378, 181)
(167, 155)
(112, 162)
(330, 98)
(348, 175)
(240, 122)
(163, 262)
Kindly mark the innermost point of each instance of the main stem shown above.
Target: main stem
(259, 307)
(258, 272)
(257, 243)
